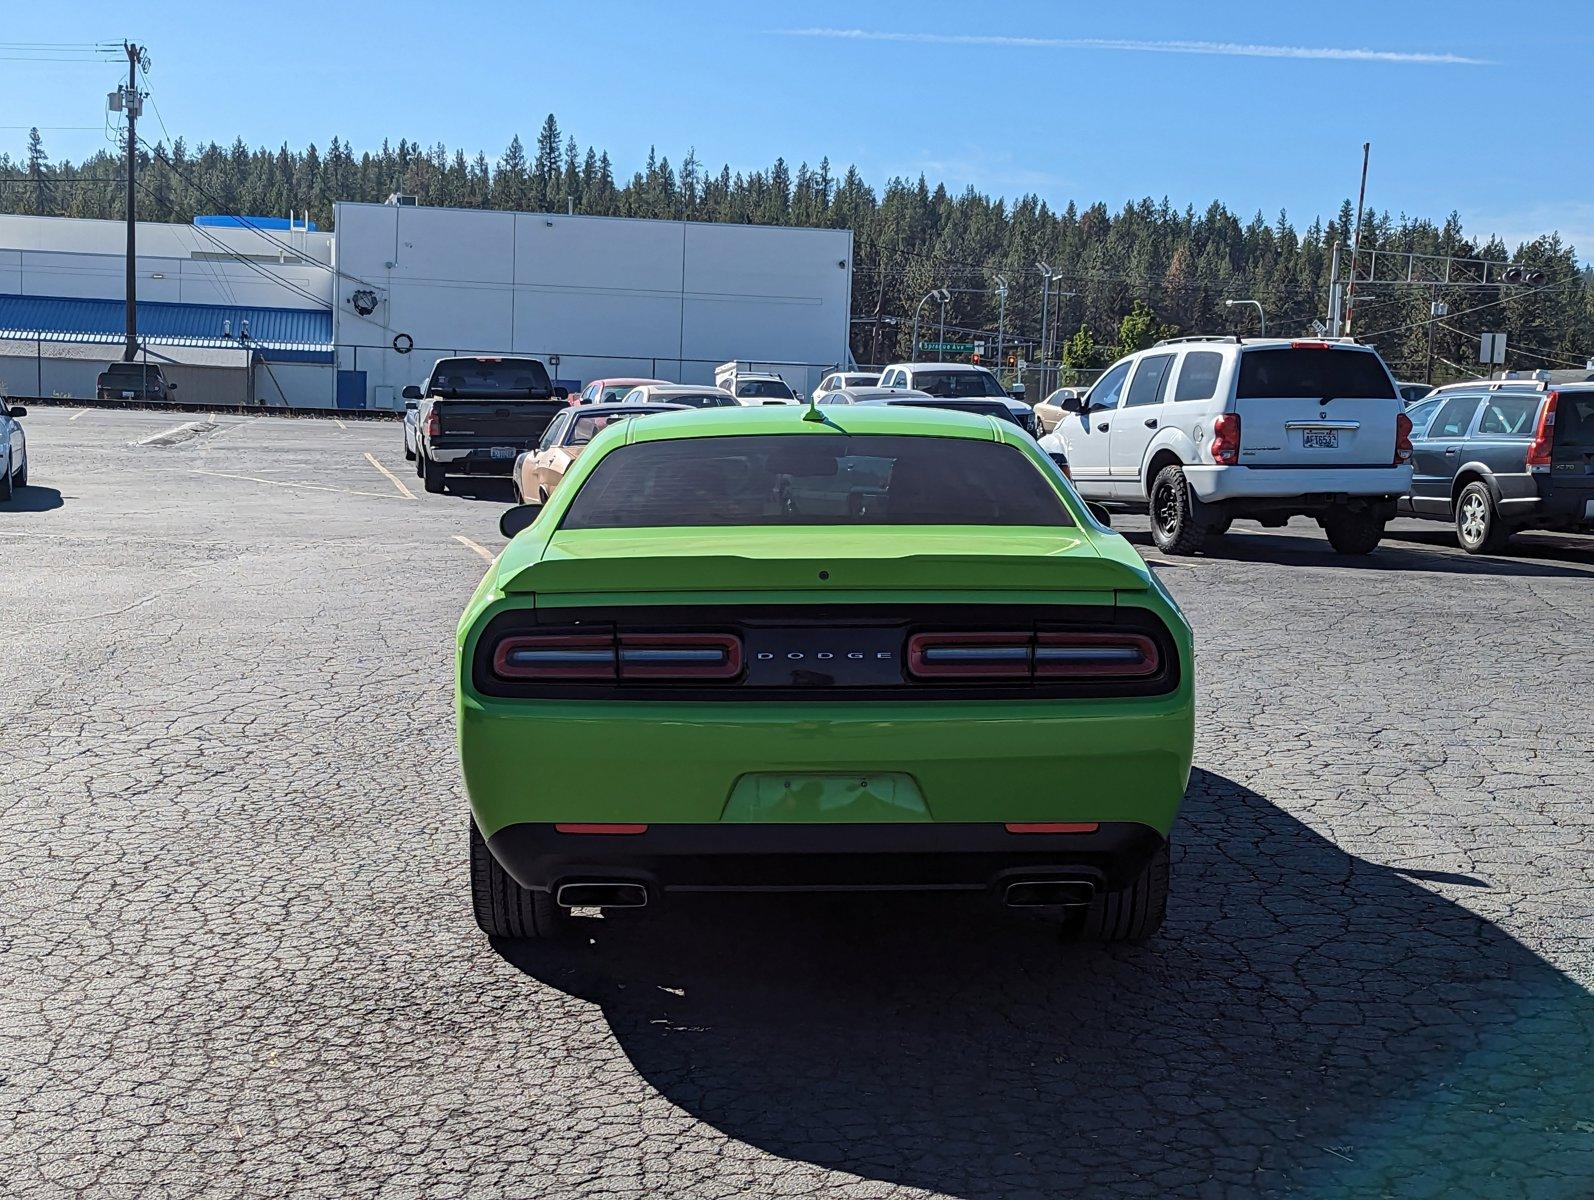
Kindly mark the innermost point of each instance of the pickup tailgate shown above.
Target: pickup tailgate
(1315, 405)
(494, 422)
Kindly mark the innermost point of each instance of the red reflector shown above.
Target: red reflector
(601, 828)
(1053, 826)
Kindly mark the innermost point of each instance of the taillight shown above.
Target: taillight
(578, 656)
(1309, 346)
(1543, 436)
(1226, 439)
(434, 426)
(1055, 655)
(1402, 438)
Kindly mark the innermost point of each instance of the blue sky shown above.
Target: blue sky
(1259, 104)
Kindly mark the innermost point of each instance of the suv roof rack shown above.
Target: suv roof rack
(1200, 337)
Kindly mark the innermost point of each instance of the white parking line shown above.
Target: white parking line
(284, 483)
(470, 545)
(339, 423)
(78, 414)
(392, 478)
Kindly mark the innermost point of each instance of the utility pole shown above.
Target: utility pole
(1046, 294)
(1001, 320)
(132, 104)
(1356, 245)
(1333, 294)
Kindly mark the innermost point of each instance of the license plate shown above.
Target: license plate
(1320, 439)
(503, 452)
(129, 395)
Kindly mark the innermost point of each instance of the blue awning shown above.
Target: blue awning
(161, 321)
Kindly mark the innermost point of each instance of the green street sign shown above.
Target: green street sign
(949, 347)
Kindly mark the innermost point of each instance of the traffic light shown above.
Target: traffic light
(976, 358)
(1012, 360)
(1523, 275)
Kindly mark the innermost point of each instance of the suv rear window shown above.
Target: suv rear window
(952, 384)
(768, 389)
(1289, 374)
(815, 479)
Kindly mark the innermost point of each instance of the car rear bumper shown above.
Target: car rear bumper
(758, 857)
(1320, 485)
(474, 460)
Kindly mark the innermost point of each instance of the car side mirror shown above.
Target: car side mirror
(1073, 404)
(1100, 513)
(18, 411)
(560, 393)
(411, 392)
(517, 518)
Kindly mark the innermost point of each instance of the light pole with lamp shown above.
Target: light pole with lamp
(1001, 319)
(940, 294)
(1046, 294)
(1260, 315)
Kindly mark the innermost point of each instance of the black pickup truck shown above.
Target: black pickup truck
(474, 416)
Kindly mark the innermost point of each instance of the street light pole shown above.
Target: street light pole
(131, 104)
(1046, 293)
(1257, 304)
(1001, 319)
(934, 294)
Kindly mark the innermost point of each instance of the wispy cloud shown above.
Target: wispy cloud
(1218, 49)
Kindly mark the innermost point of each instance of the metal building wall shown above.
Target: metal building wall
(608, 296)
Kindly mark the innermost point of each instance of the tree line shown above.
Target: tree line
(1119, 278)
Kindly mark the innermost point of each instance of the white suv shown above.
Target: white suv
(1205, 430)
(957, 381)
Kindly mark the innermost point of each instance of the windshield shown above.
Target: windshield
(488, 378)
(616, 391)
(699, 399)
(957, 383)
(815, 479)
(769, 388)
(1290, 374)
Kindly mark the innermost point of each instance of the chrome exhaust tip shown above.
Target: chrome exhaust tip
(1048, 893)
(601, 895)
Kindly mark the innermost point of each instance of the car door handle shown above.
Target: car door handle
(1151, 422)
(1452, 450)
(1102, 428)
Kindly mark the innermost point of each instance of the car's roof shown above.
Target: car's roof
(869, 392)
(686, 389)
(611, 381)
(620, 406)
(935, 366)
(793, 419)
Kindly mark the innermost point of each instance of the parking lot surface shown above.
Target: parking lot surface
(237, 956)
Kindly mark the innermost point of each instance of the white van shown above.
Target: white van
(1204, 431)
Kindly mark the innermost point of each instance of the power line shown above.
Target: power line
(1549, 287)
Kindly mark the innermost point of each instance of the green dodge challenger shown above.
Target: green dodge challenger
(767, 650)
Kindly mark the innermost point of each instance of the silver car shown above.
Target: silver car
(13, 449)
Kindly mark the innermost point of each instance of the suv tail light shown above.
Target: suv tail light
(583, 656)
(433, 425)
(1402, 438)
(1543, 436)
(963, 656)
(1226, 439)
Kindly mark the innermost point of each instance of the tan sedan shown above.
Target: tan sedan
(1050, 410)
(538, 472)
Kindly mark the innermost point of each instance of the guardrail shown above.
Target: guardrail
(190, 406)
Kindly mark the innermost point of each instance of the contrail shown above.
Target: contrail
(1219, 49)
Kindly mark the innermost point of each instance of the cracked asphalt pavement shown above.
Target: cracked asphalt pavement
(237, 957)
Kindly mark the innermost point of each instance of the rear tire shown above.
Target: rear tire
(504, 909)
(1174, 527)
(1352, 532)
(1131, 914)
(1478, 525)
(409, 451)
(5, 480)
(431, 475)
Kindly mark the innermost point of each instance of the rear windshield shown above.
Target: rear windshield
(1574, 420)
(475, 378)
(815, 479)
(1318, 374)
(756, 388)
(957, 383)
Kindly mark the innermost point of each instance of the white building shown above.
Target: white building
(396, 286)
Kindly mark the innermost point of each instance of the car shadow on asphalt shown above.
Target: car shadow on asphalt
(493, 489)
(1524, 559)
(32, 499)
(1308, 1023)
